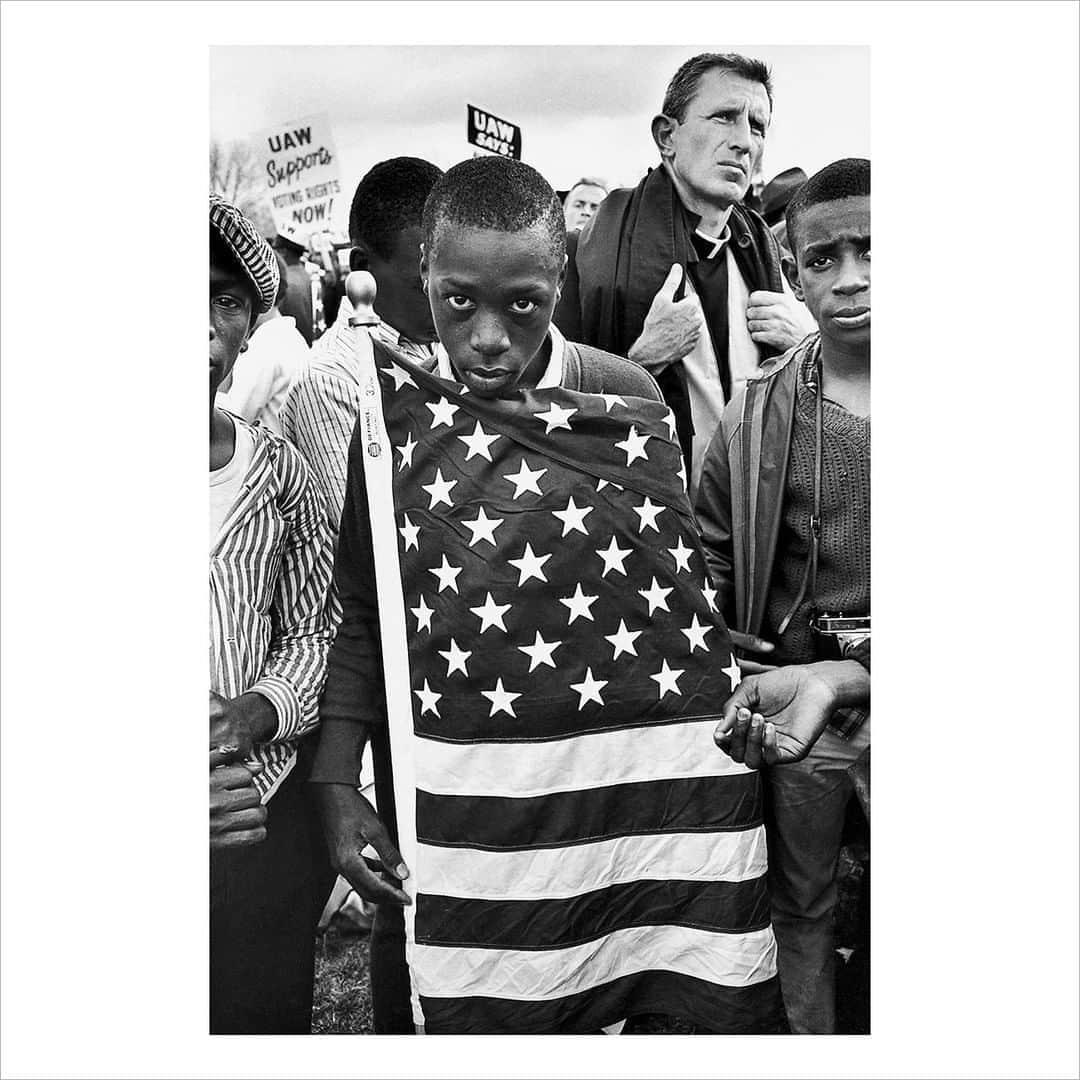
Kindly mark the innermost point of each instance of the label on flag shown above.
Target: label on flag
(580, 851)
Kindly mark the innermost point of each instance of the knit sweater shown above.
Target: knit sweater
(843, 577)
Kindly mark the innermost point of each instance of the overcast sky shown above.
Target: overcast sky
(583, 110)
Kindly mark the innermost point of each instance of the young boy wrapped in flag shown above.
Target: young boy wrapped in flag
(541, 660)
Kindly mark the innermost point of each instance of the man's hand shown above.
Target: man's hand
(775, 718)
(237, 817)
(672, 327)
(777, 319)
(237, 725)
(350, 824)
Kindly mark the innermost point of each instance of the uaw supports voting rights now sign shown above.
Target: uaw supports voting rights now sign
(303, 181)
(490, 133)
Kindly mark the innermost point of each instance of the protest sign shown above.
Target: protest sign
(490, 133)
(300, 166)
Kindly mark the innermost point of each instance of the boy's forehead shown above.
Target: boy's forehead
(837, 219)
(456, 242)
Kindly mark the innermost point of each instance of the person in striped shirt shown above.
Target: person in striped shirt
(270, 567)
(320, 410)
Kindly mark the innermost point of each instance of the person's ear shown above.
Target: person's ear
(562, 277)
(663, 128)
(423, 267)
(360, 256)
(791, 272)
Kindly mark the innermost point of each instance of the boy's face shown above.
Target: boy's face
(231, 308)
(400, 297)
(831, 271)
(492, 295)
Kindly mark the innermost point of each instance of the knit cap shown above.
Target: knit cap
(252, 252)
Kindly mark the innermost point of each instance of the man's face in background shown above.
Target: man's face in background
(581, 203)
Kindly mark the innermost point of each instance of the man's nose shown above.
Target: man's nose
(739, 136)
(489, 336)
(853, 277)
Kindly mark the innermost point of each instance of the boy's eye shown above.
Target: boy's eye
(524, 307)
(459, 303)
(230, 303)
(818, 263)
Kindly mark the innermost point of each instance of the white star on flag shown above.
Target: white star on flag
(525, 479)
(710, 594)
(614, 557)
(656, 596)
(681, 474)
(578, 604)
(733, 672)
(647, 513)
(634, 445)
(612, 399)
(573, 517)
(695, 634)
(501, 699)
(478, 443)
(456, 659)
(410, 533)
(539, 652)
(623, 640)
(482, 528)
(401, 377)
(423, 615)
(491, 614)
(555, 417)
(442, 412)
(667, 679)
(530, 565)
(429, 700)
(670, 421)
(439, 490)
(406, 450)
(601, 484)
(681, 554)
(589, 689)
(446, 574)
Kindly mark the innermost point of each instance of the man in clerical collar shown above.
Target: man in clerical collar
(675, 273)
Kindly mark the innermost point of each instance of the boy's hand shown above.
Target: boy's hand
(777, 319)
(237, 817)
(350, 824)
(750, 643)
(672, 327)
(775, 718)
(236, 725)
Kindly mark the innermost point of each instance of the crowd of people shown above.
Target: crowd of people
(615, 742)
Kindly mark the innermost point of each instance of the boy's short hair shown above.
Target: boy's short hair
(495, 193)
(586, 181)
(389, 199)
(843, 179)
(684, 82)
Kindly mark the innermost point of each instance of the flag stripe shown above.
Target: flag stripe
(528, 769)
(528, 975)
(553, 873)
(578, 817)
(719, 1009)
(721, 906)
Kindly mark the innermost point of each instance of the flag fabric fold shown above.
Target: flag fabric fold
(582, 850)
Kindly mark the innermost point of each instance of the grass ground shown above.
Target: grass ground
(343, 991)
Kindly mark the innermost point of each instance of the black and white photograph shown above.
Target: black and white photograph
(540, 540)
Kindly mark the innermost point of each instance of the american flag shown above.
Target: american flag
(584, 852)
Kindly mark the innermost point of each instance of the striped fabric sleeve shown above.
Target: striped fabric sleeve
(295, 667)
(319, 417)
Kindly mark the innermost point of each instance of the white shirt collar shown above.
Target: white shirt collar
(717, 241)
(553, 374)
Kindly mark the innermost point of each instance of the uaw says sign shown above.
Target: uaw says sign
(300, 166)
(490, 133)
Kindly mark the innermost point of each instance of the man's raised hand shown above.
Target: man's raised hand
(672, 327)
